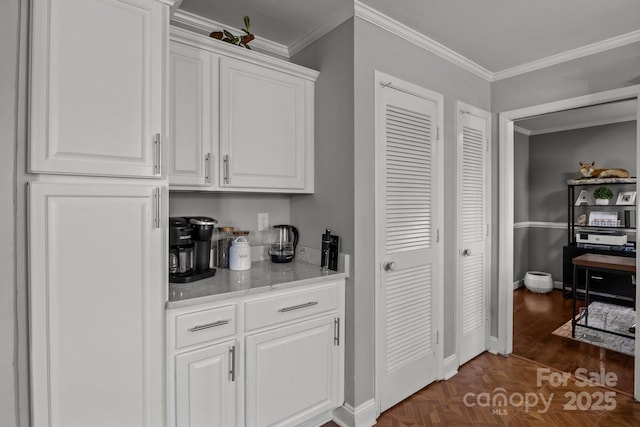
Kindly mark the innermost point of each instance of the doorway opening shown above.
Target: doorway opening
(548, 226)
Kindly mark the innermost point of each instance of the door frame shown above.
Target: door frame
(382, 80)
(478, 112)
(504, 342)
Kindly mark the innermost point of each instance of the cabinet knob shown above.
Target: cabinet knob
(466, 252)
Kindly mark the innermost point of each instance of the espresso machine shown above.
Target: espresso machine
(189, 248)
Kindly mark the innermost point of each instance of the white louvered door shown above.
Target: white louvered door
(407, 242)
(473, 229)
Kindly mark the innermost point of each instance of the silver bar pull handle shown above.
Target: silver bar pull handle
(225, 162)
(207, 168)
(156, 155)
(297, 307)
(597, 277)
(209, 325)
(336, 331)
(232, 362)
(156, 208)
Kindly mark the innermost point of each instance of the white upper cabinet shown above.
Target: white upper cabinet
(193, 112)
(97, 70)
(242, 121)
(266, 127)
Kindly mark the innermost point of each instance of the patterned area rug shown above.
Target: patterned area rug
(604, 316)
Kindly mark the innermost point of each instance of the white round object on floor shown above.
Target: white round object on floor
(538, 281)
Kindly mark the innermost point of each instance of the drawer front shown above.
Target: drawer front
(205, 325)
(292, 306)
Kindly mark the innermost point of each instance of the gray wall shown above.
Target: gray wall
(332, 204)
(521, 205)
(376, 49)
(237, 210)
(553, 158)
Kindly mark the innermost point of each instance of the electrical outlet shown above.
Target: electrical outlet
(263, 221)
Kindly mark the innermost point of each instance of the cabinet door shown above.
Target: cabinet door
(206, 388)
(96, 86)
(96, 263)
(266, 128)
(292, 373)
(193, 112)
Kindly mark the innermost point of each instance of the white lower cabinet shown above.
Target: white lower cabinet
(279, 362)
(205, 388)
(291, 373)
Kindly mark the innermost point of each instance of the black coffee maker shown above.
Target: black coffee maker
(189, 248)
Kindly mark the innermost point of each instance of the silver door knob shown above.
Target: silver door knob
(389, 266)
(466, 252)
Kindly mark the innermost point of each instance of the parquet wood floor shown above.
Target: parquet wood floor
(533, 398)
(536, 316)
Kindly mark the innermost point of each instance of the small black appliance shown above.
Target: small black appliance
(189, 248)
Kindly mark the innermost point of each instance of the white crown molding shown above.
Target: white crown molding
(207, 25)
(336, 18)
(592, 123)
(374, 17)
(173, 4)
(569, 55)
(521, 130)
(201, 41)
(386, 23)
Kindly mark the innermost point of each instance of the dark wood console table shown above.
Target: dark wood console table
(603, 263)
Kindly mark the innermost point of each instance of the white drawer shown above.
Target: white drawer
(206, 325)
(292, 306)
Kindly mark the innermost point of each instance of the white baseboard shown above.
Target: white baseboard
(362, 416)
(493, 346)
(450, 367)
(518, 284)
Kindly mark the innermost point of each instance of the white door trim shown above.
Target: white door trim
(504, 341)
(382, 80)
(461, 108)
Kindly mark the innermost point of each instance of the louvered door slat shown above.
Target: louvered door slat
(473, 183)
(408, 133)
(405, 337)
(472, 295)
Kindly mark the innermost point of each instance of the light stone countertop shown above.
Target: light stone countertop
(264, 276)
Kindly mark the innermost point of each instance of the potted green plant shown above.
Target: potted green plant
(228, 37)
(602, 195)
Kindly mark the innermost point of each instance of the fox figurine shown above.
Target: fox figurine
(588, 171)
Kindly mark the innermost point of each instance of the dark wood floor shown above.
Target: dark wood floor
(571, 404)
(536, 316)
(458, 401)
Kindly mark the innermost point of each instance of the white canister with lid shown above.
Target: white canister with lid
(240, 254)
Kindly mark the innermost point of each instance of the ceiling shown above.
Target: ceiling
(495, 34)
(499, 36)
